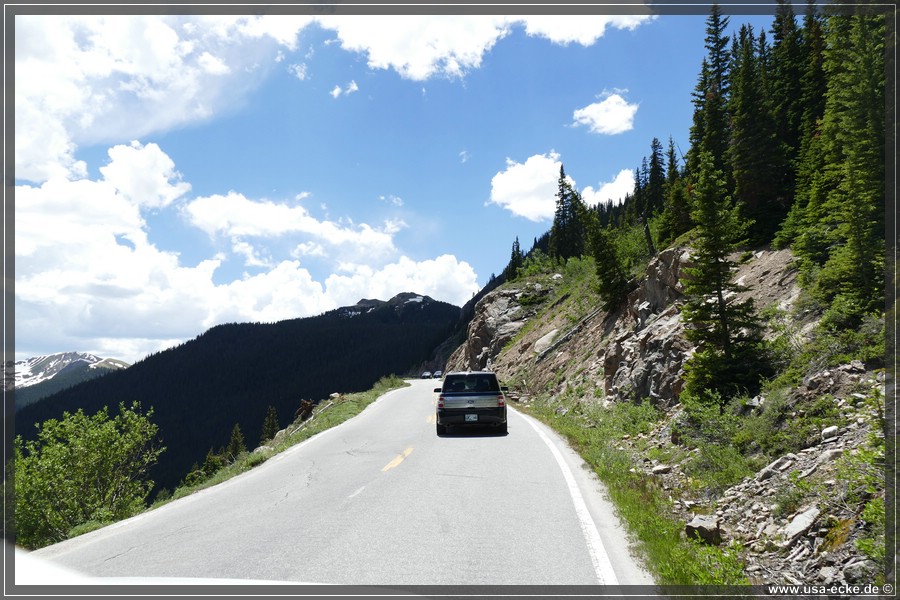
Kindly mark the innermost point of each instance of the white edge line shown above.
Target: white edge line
(602, 567)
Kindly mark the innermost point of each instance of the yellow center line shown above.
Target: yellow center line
(397, 460)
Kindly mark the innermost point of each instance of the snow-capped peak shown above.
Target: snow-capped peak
(34, 370)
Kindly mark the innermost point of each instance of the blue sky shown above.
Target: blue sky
(177, 172)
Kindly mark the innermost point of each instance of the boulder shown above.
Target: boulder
(706, 528)
(799, 525)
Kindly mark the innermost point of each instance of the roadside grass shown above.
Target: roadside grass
(639, 501)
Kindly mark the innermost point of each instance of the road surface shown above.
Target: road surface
(382, 500)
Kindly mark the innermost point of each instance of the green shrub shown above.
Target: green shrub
(82, 469)
(872, 543)
(718, 466)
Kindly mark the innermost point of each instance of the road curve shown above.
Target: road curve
(382, 500)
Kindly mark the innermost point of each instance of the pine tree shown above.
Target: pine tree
(212, 463)
(837, 226)
(854, 124)
(786, 92)
(810, 161)
(656, 180)
(235, 445)
(676, 218)
(270, 425)
(754, 154)
(516, 261)
(725, 330)
(611, 277)
(567, 234)
(710, 129)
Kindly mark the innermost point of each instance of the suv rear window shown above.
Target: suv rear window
(471, 382)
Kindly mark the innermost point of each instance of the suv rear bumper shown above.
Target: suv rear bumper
(457, 416)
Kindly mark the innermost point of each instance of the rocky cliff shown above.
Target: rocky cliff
(542, 343)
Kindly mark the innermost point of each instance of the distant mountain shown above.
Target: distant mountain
(41, 376)
(232, 373)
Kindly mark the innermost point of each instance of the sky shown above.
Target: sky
(175, 172)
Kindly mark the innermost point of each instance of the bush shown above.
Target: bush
(718, 467)
(81, 470)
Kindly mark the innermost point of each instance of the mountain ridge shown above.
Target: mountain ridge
(230, 374)
(32, 379)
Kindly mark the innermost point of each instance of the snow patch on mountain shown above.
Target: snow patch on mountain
(35, 370)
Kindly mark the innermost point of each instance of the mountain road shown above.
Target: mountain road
(382, 500)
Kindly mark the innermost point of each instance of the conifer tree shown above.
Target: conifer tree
(212, 463)
(709, 132)
(838, 223)
(270, 425)
(810, 161)
(516, 261)
(567, 234)
(676, 218)
(235, 445)
(611, 277)
(754, 155)
(786, 93)
(854, 124)
(725, 330)
(656, 180)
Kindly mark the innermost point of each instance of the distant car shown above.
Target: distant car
(426, 375)
(471, 398)
(438, 374)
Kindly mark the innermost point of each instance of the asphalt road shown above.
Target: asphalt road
(382, 500)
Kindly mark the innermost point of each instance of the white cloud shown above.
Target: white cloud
(610, 116)
(299, 71)
(238, 217)
(419, 46)
(308, 249)
(101, 78)
(87, 274)
(444, 278)
(581, 29)
(337, 91)
(213, 65)
(528, 189)
(615, 190)
(251, 254)
(144, 175)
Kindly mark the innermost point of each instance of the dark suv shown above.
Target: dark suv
(471, 398)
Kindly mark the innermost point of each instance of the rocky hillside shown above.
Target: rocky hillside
(783, 508)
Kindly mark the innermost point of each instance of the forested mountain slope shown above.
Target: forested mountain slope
(232, 373)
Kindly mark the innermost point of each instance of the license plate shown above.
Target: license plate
(470, 418)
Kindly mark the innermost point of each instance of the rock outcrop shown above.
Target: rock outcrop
(498, 318)
(648, 347)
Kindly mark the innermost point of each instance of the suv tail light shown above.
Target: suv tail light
(441, 401)
(501, 400)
